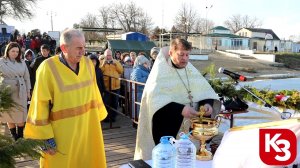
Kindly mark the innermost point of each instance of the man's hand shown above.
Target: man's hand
(50, 151)
(189, 112)
(50, 147)
(114, 63)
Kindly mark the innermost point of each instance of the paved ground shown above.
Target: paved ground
(246, 67)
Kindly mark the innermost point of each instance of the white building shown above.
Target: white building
(265, 40)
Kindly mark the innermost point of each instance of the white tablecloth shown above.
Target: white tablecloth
(240, 148)
(202, 164)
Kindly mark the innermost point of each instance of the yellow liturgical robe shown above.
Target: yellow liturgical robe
(68, 108)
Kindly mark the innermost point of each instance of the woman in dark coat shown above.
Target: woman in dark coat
(99, 74)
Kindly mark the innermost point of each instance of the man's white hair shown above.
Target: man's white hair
(67, 35)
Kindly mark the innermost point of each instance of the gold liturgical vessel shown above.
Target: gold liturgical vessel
(204, 129)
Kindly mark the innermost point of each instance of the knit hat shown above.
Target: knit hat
(154, 50)
(140, 60)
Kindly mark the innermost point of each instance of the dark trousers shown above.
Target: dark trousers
(112, 101)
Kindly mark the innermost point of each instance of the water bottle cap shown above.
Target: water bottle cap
(165, 139)
(184, 136)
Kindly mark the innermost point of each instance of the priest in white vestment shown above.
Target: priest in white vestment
(172, 93)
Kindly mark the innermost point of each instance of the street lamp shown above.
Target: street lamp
(206, 26)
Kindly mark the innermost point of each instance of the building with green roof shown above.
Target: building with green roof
(220, 38)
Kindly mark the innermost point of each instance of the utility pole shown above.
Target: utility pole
(206, 26)
(51, 19)
(51, 22)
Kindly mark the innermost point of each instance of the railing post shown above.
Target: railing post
(109, 102)
(135, 100)
(131, 98)
(126, 98)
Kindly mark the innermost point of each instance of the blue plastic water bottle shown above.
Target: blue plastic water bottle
(163, 154)
(185, 152)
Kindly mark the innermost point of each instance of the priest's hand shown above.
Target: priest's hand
(28, 95)
(189, 112)
(208, 110)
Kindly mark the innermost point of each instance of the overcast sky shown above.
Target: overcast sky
(283, 16)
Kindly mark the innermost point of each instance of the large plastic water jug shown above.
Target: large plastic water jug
(185, 152)
(163, 154)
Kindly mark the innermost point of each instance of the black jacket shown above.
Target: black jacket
(34, 66)
(99, 74)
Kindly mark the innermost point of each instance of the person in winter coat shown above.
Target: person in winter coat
(99, 74)
(29, 57)
(13, 72)
(140, 73)
(153, 54)
(45, 54)
(112, 70)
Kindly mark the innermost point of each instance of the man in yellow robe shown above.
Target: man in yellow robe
(66, 108)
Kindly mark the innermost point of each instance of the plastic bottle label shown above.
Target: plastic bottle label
(164, 159)
(185, 155)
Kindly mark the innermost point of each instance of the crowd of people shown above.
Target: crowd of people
(32, 41)
(69, 96)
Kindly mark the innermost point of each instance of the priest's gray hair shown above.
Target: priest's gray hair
(68, 34)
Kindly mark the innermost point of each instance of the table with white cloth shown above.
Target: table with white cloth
(240, 145)
(202, 164)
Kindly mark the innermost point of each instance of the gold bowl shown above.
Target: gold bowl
(203, 130)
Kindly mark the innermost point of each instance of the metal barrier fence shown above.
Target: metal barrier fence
(128, 105)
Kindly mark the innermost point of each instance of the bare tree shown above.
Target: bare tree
(186, 19)
(145, 23)
(155, 33)
(130, 17)
(90, 21)
(202, 25)
(18, 9)
(236, 22)
(106, 20)
(104, 15)
(76, 26)
(251, 22)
